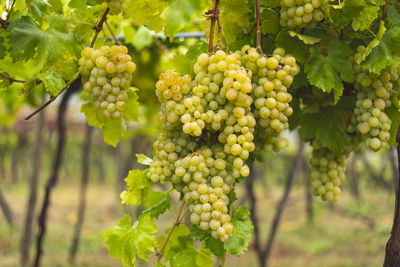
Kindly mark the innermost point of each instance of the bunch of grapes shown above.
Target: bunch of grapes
(297, 13)
(208, 129)
(327, 172)
(373, 97)
(106, 76)
(116, 6)
(272, 76)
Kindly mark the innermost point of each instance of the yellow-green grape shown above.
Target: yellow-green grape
(209, 126)
(106, 76)
(273, 75)
(327, 172)
(298, 13)
(373, 97)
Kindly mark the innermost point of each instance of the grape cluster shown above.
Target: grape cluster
(272, 76)
(373, 97)
(106, 77)
(209, 127)
(116, 6)
(297, 13)
(327, 172)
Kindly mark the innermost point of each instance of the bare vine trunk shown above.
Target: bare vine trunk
(52, 181)
(6, 209)
(392, 255)
(264, 252)
(309, 194)
(26, 238)
(82, 194)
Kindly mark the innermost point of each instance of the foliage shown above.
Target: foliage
(40, 44)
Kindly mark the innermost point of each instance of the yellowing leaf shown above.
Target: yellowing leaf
(305, 38)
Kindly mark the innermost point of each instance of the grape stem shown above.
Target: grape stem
(213, 15)
(177, 220)
(9, 11)
(11, 79)
(258, 22)
(384, 11)
(98, 28)
(52, 98)
(116, 41)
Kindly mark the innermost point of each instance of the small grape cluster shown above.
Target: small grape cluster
(106, 77)
(272, 76)
(327, 172)
(298, 13)
(208, 129)
(373, 97)
(116, 6)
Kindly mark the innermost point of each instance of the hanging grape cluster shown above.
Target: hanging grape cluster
(327, 172)
(116, 6)
(272, 76)
(106, 77)
(373, 97)
(297, 13)
(208, 129)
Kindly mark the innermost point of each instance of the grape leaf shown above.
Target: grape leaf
(270, 3)
(156, 202)
(386, 52)
(269, 21)
(373, 43)
(368, 15)
(214, 245)
(180, 250)
(143, 159)
(127, 242)
(131, 111)
(148, 13)
(305, 38)
(236, 15)
(327, 126)
(179, 13)
(360, 13)
(293, 45)
(113, 130)
(138, 184)
(53, 81)
(52, 44)
(327, 72)
(243, 230)
(393, 15)
(93, 115)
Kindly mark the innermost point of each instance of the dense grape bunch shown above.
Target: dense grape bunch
(298, 13)
(208, 130)
(116, 6)
(373, 97)
(272, 77)
(106, 76)
(327, 172)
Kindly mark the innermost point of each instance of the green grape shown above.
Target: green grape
(300, 13)
(327, 172)
(373, 97)
(107, 81)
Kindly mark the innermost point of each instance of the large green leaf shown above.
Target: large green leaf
(327, 72)
(386, 53)
(243, 230)
(327, 126)
(127, 242)
(148, 13)
(138, 184)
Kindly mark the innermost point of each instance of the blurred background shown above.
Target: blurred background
(292, 228)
